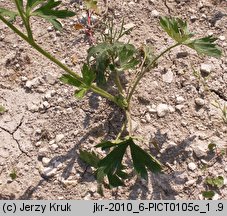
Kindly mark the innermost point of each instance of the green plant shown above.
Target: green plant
(2, 109)
(216, 182)
(106, 62)
(13, 174)
(213, 148)
(208, 194)
(213, 183)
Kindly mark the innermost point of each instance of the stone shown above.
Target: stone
(50, 78)
(151, 109)
(38, 144)
(199, 151)
(179, 107)
(129, 26)
(162, 110)
(52, 142)
(155, 13)
(205, 69)
(204, 161)
(32, 83)
(24, 79)
(143, 120)
(193, 18)
(190, 182)
(38, 131)
(216, 196)
(222, 37)
(33, 108)
(148, 117)
(179, 99)
(199, 101)
(46, 105)
(59, 138)
(54, 147)
(192, 166)
(42, 152)
(168, 76)
(50, 28)
(49, 171)
(171, 109)
(46, 161)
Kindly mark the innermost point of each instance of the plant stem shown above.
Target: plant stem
(93, 87)
(25, 20)
(146, 70)
(121, 131)
(118, 82)
(129, 119)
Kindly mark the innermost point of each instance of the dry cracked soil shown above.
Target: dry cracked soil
(44, 126)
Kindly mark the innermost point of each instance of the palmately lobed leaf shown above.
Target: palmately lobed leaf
(112, 166)
(205, 46)
(47, 12)
(176, 28)
(113, 161)
(90, 158)
(142, 160)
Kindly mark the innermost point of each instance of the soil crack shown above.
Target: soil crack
(12, 134)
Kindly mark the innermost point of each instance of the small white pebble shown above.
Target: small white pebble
(59, 138)
(192, 166)
(222, 37)
(199, 101)
(155, 13)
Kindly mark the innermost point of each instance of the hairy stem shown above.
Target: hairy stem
(141, 75)
(94, 87)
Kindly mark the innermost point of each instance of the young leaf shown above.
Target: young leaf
(11, 14)
(208, 194)
(205, 46)
(32, 4)
(126, 57)
(91, 5)
(143, 160)
(90, 158)
(212, 147)
(13, 175)
(215, 182)
(176, 28)
(70, 80)
(2, 109)
(50, 14)
(100, 53)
